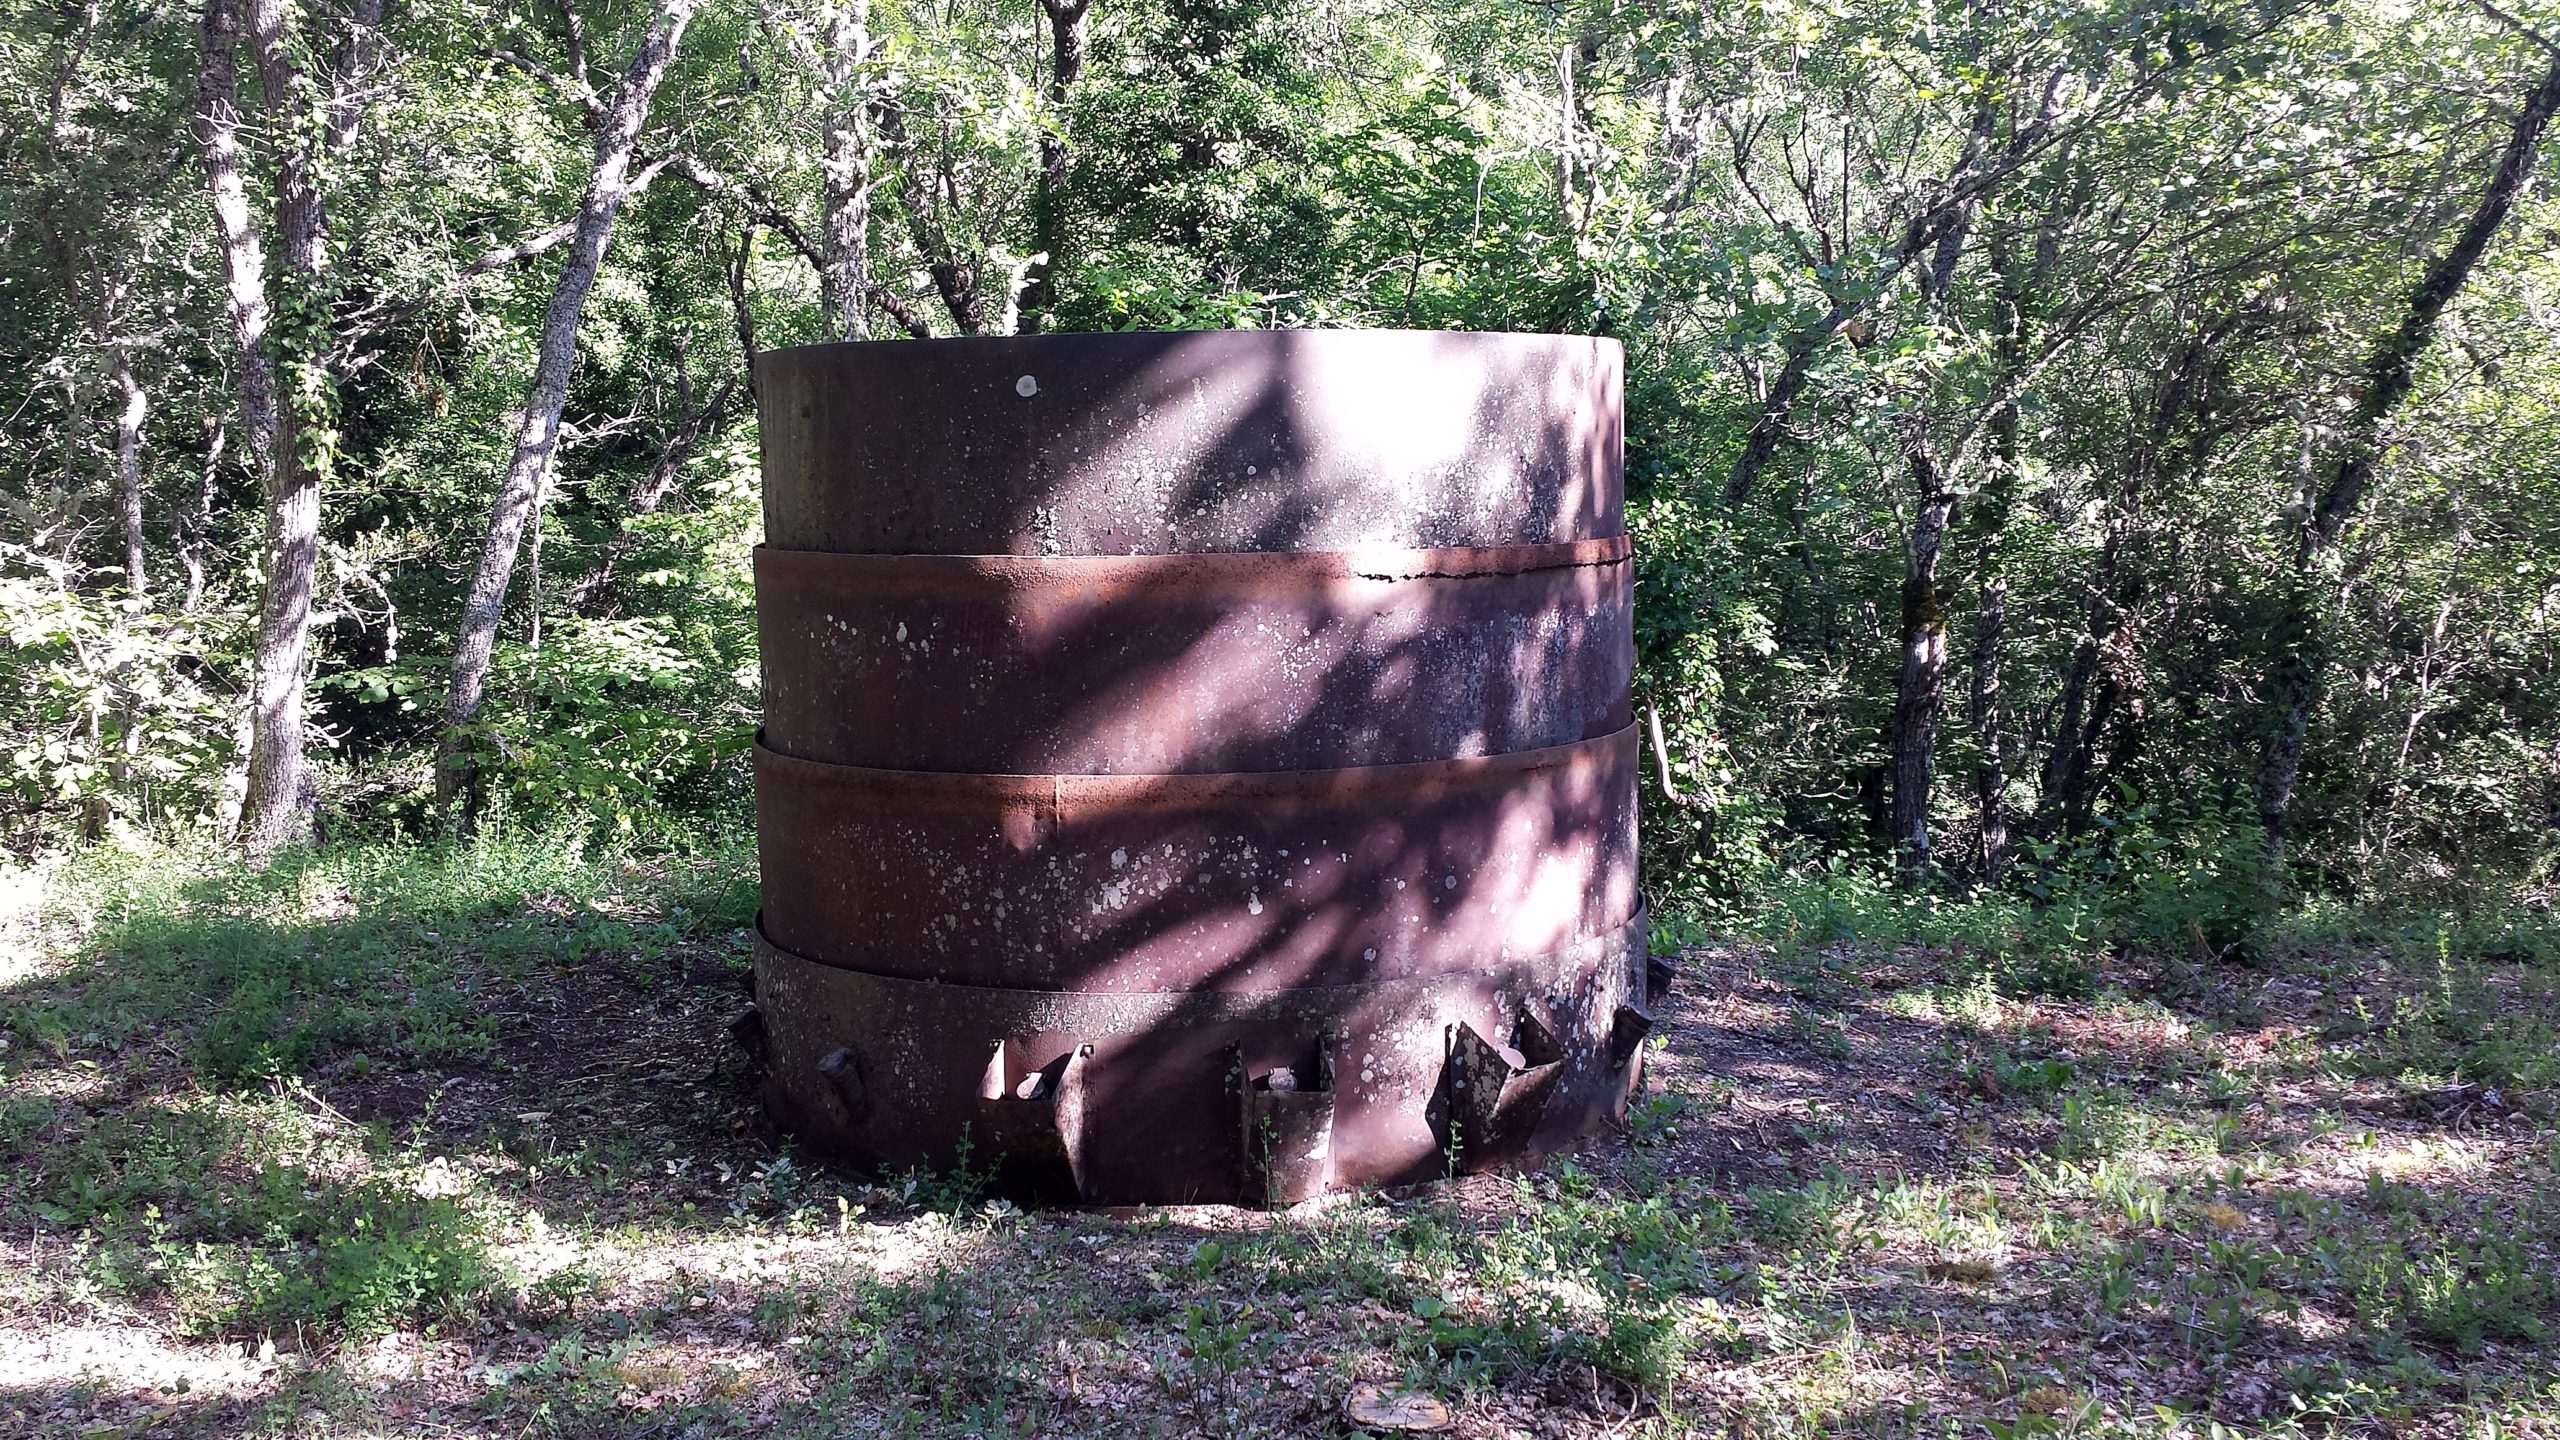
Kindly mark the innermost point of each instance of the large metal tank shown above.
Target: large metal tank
(1197, 766)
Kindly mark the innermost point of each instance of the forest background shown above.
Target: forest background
(2094, 468)
(2050, 425)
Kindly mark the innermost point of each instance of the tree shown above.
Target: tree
(281, 328)
(611, 181)
(2294, 684)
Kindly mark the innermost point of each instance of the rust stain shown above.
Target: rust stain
(1198, 767)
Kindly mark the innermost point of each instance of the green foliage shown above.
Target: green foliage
(2453, 1027)
(2122, 350)
(2200, 888)
(112, 721)
(2451, 1273)
(361, 1261)
(292, 1245)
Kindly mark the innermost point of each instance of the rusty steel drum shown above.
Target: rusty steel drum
(1197, 767)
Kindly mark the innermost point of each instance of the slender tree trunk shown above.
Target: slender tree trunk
(359, 54)
(845, 233)
(1987, 712)
(743, 314)
(955, 277)
(1921, 685)
(277, 807)
(1778, 406)
(1986, 707)
(2300, 673)
(2086, 700)
(1566, 116)
(2100, 675)
(244, 265)
(1048, 196)
(129, 417)
(196, 526)
(693, 423)
(609, 183)
(1919, 690)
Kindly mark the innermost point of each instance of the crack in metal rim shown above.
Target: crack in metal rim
(1417, 778)
(1190, 571)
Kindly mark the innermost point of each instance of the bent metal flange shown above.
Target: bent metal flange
(1178, 1096)
(1295, 850)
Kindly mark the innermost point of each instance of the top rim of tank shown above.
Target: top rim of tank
(994, 342)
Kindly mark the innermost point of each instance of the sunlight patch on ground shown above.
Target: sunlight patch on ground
(2425, 1158)
(60, 1083)
(130, 1358)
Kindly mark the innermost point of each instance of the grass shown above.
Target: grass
(395, 1141)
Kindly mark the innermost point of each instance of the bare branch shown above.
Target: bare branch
(2549, 46)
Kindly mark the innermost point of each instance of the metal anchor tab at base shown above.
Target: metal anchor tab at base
(1033, 1117)
(1288, 1128)
(1494, 1094)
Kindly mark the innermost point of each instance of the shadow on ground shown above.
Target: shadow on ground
(423, 1143)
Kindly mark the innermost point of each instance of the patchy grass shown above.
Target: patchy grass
(413, 1141)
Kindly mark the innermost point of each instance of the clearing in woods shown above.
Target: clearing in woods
(396, 1142)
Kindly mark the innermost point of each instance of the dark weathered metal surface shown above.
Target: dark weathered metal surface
(1195, 663)
(1198, 766)
(1231, 440)
(1224, 882)
(1161, 1112)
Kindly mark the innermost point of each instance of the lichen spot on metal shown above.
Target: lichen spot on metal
(1026, 387)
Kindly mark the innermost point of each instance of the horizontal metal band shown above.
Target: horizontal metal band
(1192, 663)
(1244, 882)
(1071, 797)
(1094, 1014)
(1224, 571)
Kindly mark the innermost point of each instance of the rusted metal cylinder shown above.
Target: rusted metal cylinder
(1199, 766)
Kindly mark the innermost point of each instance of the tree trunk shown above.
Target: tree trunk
(2180, 438)
(1778, 407)
(743, 314)
(2299, 674)
(244, 265)
(1048, 215)
(1919, 691)
(129, 417)
(277, 808)
(1565, 127)
(609, 183)
(844, 274)
(195, 525)
(1986, 708)
(359, 54)
(955, 277)
(1921, 686)
(1987, 712)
